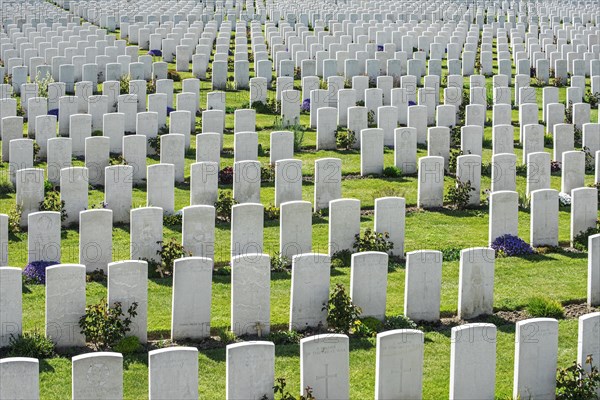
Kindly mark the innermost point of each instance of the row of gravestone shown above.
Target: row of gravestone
(325, 366)
(250, 291)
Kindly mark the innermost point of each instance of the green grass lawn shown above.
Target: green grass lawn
(560, 275)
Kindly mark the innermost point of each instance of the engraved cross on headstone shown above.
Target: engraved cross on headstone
(326, 377)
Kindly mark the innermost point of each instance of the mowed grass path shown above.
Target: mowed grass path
(561, 276)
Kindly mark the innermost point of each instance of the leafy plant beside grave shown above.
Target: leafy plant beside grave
(284, 337)
(341, 259)
(30, 344)
(105, 326)
(280, 263)
(341, 312)
(14, 219)
(124, 84)
(267, 173)
(511, 246)
(345, 138)
(543, 307)
(398, 322)
(372, 241)
(42, 83)
(223, 206)
(459, 194)
(169, 251)
(392, 172)
(591, 98)
(226, 176)
(282, 394)
(271, 212)
(577, 383)
(52, 202)
(580, 241)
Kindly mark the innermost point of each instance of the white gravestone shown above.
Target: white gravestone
(95, 239)
(310, 290)
(368, 283)
(173, 373)
(65, 304)
(328, 182)
(19, 378)
(399, 364)
(295, 232)
(504, 214)
(423, 285)
(128, 284)
(250, 370)
(536, 353)
(11, 304)
(344, 224)
(473, 362)
(192, 285)
(476, 282)
(544, 218)
(250, 294)
(198, 230)
(97, 376)
(324, 366)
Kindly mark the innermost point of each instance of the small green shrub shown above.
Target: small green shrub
(453, 160)
(280, 263)
(52, 202)
(284, 337)
(282, 394)
(271, 212)
(124, 84)
(542, 307)
(227, 336)
(371, 118)
(42, 83)
(367, 327)
(14, 219)
(345, 138)
(171, 220)
(341, 312)
(459, 194)
(117, 160)
(30, 344)
(6, 187)
(392, 172)
(451, 254)
(267, 173)
(580, 241)
(105, 326)
(97, 275)
(373, 241)
(223, 206)
(575, 383)
(154, 144)
(341, 259)
(128, 345)
(169, 251)
(398, 322)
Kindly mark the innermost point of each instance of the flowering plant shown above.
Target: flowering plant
(305, 106)
(564, 199)
(35, 272)
(511, 246)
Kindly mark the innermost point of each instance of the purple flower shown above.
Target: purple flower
(35, 272)
(230, 53)
(170, 110)
(411, 103)
(54, 112)
(305, 105)
(379, 47)
(155, 53)
(511, 246)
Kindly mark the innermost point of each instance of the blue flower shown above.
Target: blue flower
(379, 47)
(511, 246)
(411, 103)
(35, 272)
(170, 110)
(54, 112)
(305, 105)
(155, 53)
